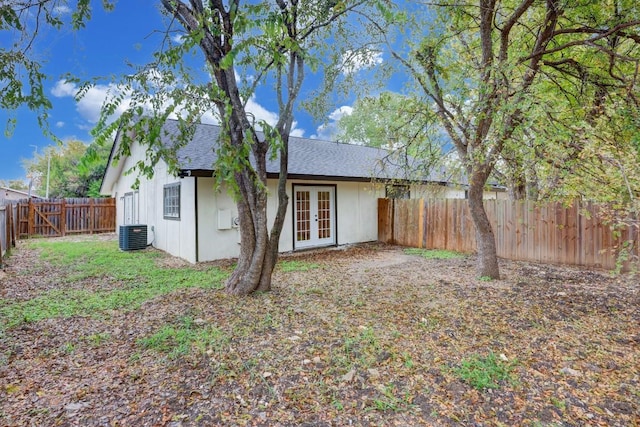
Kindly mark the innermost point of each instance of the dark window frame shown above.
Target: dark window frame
(171, 201)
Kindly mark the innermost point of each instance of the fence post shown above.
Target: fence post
(17, 220)
(385, 220)
(30, 219)
(392, 218)
(7, 226)
(63, 217)
(420, 222)
(3, 209)
(91, 215)
(14, 224)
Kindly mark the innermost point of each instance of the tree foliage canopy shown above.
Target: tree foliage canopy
(494, 69)
(72, 169)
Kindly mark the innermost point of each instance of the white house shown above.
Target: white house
(333, 190)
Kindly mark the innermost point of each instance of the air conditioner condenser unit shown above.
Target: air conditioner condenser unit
(133, 237)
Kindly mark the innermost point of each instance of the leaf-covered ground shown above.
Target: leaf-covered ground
(363, 336)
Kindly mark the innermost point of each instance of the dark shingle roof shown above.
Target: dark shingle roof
(307, 157)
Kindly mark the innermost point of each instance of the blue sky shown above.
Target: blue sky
(100, 49)
(103, 48)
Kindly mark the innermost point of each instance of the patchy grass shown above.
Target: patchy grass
(356, 337)
(289, 266)
(483, 372)
(187, 336)
(434, 253)
(134, 277)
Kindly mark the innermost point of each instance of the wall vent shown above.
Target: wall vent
(133, 237)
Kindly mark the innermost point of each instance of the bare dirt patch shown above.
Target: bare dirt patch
(367, 336)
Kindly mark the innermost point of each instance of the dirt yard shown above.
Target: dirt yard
(362, 336)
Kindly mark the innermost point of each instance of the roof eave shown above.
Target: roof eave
(113, 170)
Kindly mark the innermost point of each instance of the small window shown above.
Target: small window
(172, 201)
(394, 191)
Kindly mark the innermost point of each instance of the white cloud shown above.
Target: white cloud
(62, 9)
(329, 131)
(60, 124)
(258, 113)
(90, 105)
(178, 38)
(64, 88)
(159, 80)
(297, 131)
(356, 60)
(340, 112)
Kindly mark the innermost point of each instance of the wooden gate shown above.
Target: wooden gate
(59, 217)
(48, 218)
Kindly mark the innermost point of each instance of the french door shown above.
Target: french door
(314, 216)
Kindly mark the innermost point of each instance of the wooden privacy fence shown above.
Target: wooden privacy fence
(59, 217)
(524, 230)
(7, 231)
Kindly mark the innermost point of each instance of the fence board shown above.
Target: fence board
(5, 237)
(58, 217)
(8, 213)
(385, 220)
(550, 233)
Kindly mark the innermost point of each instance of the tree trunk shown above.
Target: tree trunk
(253, 272)
(254, 239)
(533, 188)
(517, 190)
(485, 240)
(258, 248)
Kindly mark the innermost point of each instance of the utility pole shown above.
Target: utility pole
(48, 154)
(31, 177)
(48, 173)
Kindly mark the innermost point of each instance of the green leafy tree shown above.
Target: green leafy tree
(15, 184)
(72, 169)
(482, 63)
(91, 169)
(21, 76)
(400, 124)
(387, 121)
(585, 142)
(244, 46)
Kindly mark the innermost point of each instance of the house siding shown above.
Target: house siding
(196, 237)
(172, 236)
(357, 216)
(214, 243)
(175, 236)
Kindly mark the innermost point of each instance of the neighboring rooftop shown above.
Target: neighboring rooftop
(7, 193)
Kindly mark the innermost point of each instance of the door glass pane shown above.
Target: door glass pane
(324, 214)
(303, 216)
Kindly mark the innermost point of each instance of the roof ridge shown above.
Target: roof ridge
(304, 138)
